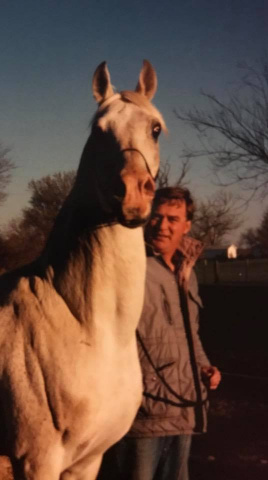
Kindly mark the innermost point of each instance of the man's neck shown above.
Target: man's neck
(167, 257)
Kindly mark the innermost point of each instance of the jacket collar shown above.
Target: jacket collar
(184, 257)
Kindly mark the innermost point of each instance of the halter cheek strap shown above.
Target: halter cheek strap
(144, 158)
(102, 107)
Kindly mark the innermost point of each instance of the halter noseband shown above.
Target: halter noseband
(144, 158)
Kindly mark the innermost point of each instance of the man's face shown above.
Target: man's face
(168, 225)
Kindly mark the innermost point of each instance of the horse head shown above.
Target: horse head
(124, 146)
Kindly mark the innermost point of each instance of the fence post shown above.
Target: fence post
(204, 265)
(247, 270)
(216, 271)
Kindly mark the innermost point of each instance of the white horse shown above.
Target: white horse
(70, 381)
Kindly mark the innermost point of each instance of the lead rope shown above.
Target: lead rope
(183, 292)
(184, 402)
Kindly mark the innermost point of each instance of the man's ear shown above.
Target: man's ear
(188, 226)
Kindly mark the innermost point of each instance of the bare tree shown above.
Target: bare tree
(257, 237)
(47, 196)
(215, 218)
(25, 237)
(234, 133)
(6, 166)
(249, 238)
(163, 179)
(262, 233)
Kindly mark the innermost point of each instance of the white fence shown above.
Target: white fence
(232, 271)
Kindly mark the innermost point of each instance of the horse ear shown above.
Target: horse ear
(147, 84)
(101, 84)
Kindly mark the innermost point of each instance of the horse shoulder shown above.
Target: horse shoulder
(28, 316)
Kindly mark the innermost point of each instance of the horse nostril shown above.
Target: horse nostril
(149, 186)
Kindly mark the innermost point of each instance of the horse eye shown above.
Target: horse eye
(156, 130)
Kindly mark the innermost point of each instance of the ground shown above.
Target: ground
(234, 331)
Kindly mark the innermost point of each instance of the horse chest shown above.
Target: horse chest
(102, 401)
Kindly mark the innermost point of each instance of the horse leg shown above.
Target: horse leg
(5, 468)
(43, 467)
(43, 473)
(86, 469)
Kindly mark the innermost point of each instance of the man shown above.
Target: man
(174, 365)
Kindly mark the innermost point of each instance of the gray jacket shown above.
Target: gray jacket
(171, 403)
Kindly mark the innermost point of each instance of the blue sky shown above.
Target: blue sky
(50, 49)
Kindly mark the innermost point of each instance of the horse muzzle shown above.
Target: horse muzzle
(137, 200)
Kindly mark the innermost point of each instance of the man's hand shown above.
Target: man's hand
(211, 376)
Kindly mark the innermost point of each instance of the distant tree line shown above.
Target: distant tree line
(23, 239)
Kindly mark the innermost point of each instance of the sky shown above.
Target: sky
(49, 52)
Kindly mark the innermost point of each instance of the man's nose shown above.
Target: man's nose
(163, 224)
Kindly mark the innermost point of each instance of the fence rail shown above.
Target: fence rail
(232, 271)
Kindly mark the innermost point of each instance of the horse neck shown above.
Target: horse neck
(96, 264)
(102, 279)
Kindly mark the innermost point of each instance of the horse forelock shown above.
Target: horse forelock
(129, 96)
(136, 98)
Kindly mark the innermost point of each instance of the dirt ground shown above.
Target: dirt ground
(234, 332)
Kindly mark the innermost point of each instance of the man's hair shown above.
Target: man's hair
(173, 195)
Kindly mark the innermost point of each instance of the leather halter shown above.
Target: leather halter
(102, 107)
